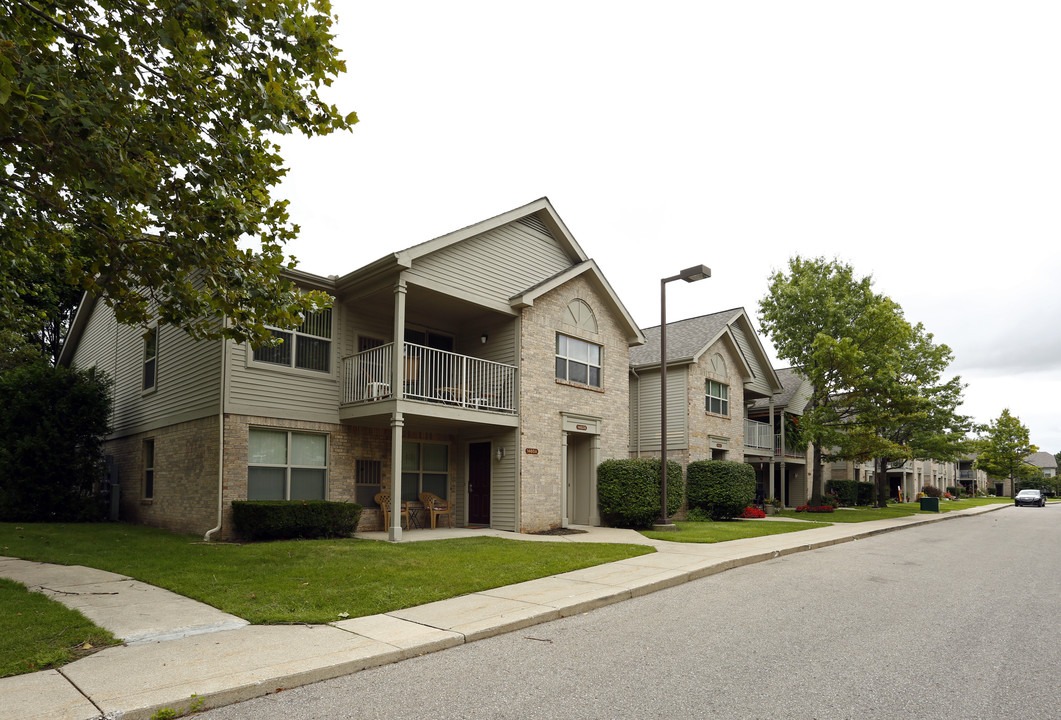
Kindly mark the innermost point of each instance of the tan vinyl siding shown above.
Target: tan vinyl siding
(255, 389)
(495, 265)
(759, 383)
(644, 411)
(798, 403)
(188, 378)
(97, 347)
(504, 487)
(500, 343)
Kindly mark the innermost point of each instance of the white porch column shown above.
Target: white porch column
(773, 488)
(397, 420)
(397, 424)
(398, 356)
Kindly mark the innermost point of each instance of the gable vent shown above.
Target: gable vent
(534, 223)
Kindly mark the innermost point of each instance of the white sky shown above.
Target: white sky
(919, 141)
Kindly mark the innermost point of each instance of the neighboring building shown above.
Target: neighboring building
(488, 366)
(972, 478)
(1045, 462)
(784, 474)
(716, 367)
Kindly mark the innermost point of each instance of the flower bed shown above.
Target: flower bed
(816, 508)
(752, 513)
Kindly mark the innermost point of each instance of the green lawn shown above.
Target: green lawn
(894, 510)
(713, 532)
(306, 581)
(37, 632)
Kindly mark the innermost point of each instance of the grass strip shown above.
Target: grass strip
(713, 532)
(304, 581)
(893, 511)
(37, 633)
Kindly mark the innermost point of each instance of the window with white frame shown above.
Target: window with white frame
(150, 364)
(283, 465)
(578, 361)
(308, 347)
(425, 468)
(717, 398)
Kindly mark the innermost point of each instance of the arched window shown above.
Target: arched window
(718, 364)
(581, 316)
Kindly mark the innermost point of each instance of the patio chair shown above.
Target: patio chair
(436, 506)
(384, 502)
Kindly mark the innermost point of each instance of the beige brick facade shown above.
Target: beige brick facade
(711, 432)
(185, 476)
(543, 398)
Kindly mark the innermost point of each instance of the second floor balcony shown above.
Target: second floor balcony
(429, 375)
(758, 435)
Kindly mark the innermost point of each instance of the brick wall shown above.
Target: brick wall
(702, 424)
(346, 445)
(543, 398)
(185, 482)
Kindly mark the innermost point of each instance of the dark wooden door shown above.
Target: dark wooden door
(479, 483)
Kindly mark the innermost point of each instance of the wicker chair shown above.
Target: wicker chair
(384, 502)
(436, 506)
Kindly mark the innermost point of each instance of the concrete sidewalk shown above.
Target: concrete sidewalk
(185, 656)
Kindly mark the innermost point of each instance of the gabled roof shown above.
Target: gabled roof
(1041, 460)
(793, 395)
(588, 268)
(541, 209)
(689, 339)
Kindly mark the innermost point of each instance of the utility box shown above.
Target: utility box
(929, 504)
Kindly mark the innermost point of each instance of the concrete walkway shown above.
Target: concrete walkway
(184, 655)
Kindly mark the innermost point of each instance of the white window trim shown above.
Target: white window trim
(568, 358)
(420, 471)
(289, 466)
(708, 397)
(333, 363)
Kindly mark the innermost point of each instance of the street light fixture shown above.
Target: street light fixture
(692, 274)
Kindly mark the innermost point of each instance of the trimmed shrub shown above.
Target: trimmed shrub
(850, 493)
(52, 424)
(720, 488)
(289, 519)
(628, 491)
(932, 491)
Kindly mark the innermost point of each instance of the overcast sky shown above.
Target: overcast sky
(918, 141)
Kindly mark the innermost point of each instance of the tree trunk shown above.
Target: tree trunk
(881, 466)
(816, 485)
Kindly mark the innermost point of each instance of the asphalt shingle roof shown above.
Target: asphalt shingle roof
(685, 338)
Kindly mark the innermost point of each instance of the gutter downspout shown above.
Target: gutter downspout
(221, 442)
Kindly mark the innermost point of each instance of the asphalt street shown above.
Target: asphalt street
(948, 620)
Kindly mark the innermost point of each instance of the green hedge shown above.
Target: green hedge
(720, 488)
(286, 519)
(628, 491)
(52, 424)
(850, 493)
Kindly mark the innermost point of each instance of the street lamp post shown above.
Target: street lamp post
(697, 272)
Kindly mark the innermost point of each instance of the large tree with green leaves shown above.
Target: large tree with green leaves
(1003, 447)
(905, 409)
(829, 324)
(146, 130)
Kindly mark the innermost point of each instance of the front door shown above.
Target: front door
(479, 483)
(579, 479)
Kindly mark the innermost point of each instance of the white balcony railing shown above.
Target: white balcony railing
(758, 435)
(432, 376)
